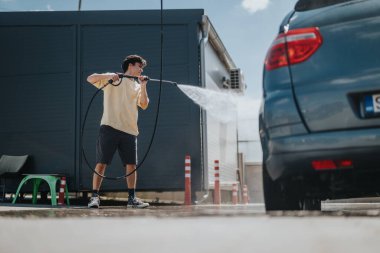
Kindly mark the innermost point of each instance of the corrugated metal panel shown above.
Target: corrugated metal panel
(46, 57)
(37, 79)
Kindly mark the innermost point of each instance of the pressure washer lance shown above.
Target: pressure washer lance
(145, 79)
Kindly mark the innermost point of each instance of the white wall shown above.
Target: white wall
(248, 130)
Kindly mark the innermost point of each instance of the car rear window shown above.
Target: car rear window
(306, 5)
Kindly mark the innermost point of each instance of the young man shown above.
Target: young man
(118, 127)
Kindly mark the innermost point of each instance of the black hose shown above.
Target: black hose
(157, 113)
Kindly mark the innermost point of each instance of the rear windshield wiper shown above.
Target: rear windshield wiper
(306, 5)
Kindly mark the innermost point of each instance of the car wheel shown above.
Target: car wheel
(281, 194)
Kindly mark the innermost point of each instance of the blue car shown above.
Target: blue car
(320, 114)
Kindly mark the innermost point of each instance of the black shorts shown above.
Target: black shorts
(111, 139)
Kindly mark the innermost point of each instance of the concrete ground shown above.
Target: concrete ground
(340, 227)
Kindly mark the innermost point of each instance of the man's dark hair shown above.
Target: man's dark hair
(132, 59)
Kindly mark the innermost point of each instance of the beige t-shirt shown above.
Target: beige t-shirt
(120, 105)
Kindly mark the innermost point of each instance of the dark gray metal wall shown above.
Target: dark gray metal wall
(45, 60)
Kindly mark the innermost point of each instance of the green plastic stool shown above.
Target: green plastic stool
(51, 180)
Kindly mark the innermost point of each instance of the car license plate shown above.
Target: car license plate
(372, 105)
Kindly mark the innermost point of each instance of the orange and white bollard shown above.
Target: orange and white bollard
(187, 180)
(61, 195)
(217, 196)
(245, 194)
(234, 194)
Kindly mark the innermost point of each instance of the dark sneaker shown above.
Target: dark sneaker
(137, 203)
(94, 202)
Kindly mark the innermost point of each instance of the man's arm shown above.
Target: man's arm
(144, 100)
(95, 78)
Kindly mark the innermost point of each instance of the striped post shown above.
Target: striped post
(234, 194)
(217, 196)
(245, 194)
(187, 180)
(61, 195)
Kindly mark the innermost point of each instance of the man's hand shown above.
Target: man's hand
(143, 80)
(115, 77)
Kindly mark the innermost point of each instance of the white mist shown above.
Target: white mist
(227, 106)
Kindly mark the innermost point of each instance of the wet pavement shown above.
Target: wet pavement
(180, 211)
(159, 211)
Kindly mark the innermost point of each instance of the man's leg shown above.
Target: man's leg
(96, 182)
(128, 154)
(131, 182)
(105, 148)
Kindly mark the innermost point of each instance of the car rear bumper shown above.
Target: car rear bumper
(294, 154)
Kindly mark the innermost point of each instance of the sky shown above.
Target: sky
(246, 28)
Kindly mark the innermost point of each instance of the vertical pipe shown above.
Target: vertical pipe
(79, 5)
(205, 27)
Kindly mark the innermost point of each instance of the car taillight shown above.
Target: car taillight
(323, 165)
(292, 47)
(332, 165)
